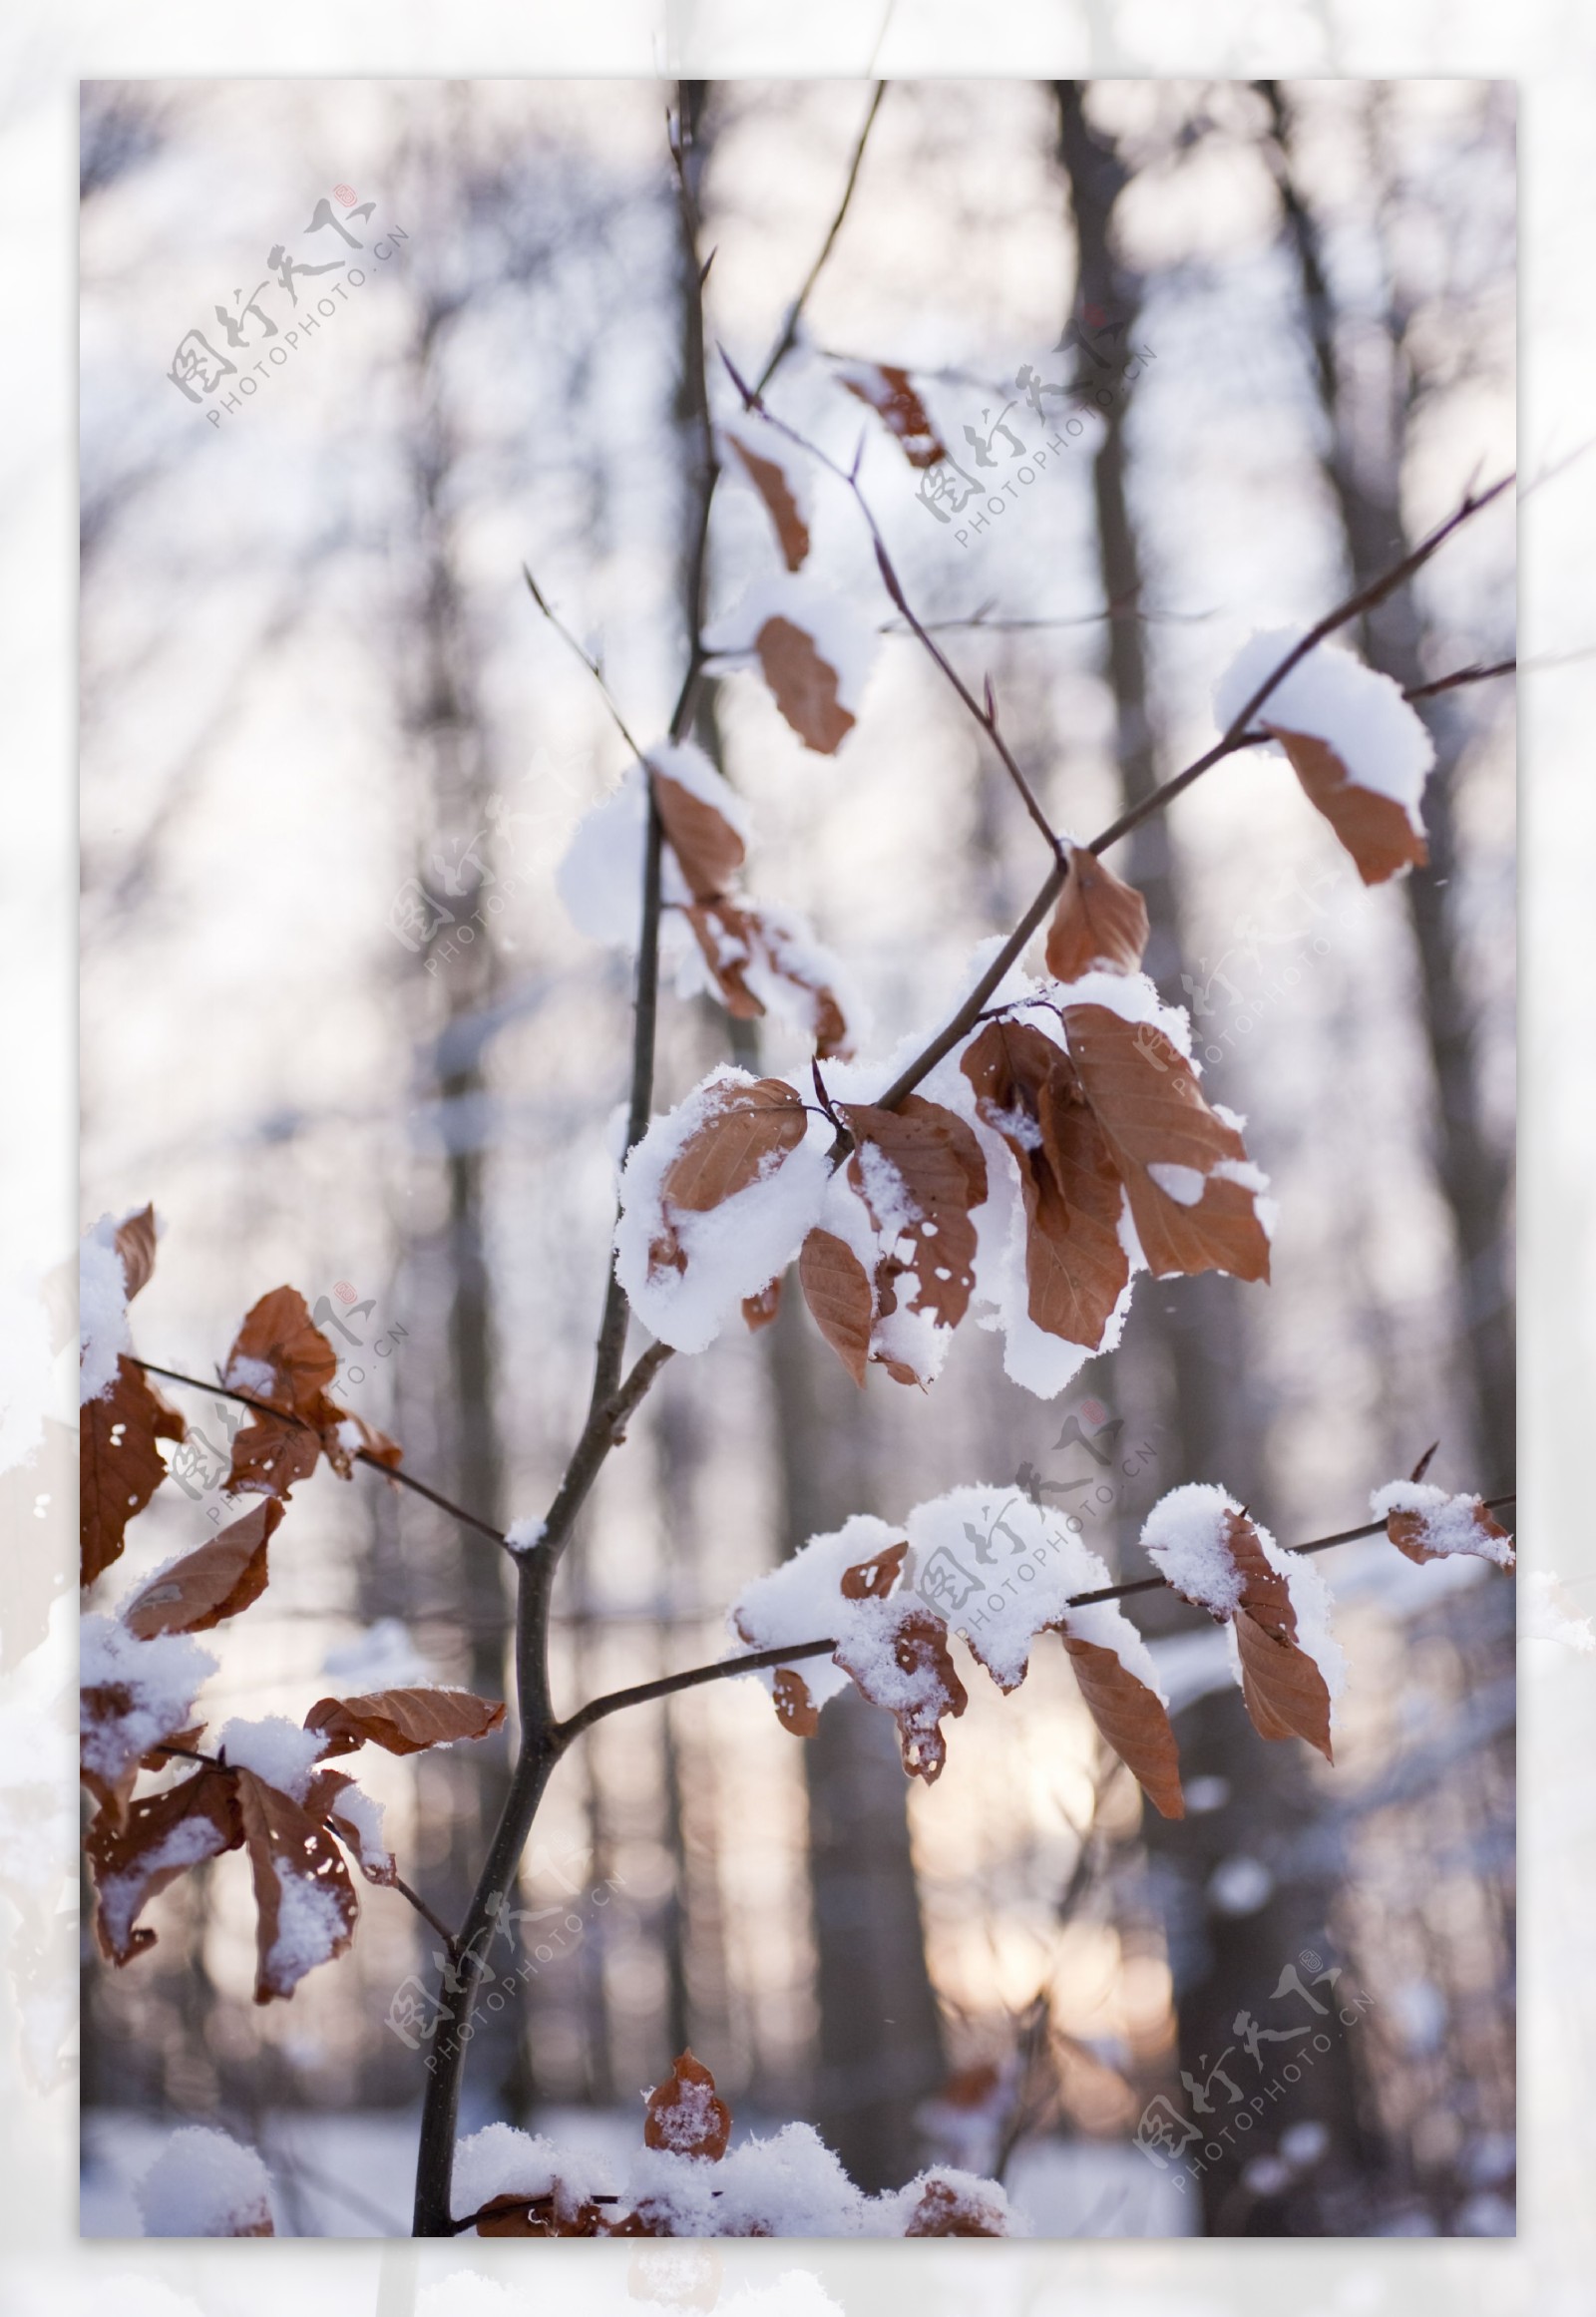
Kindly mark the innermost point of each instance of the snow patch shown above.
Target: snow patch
(1360, 713)
(276, 1750)
(843, 638)
(205, 2184)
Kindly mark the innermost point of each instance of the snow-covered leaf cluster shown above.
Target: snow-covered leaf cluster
(1360, 752)
(1428, 1525)
(1060, 1147)
(686, 2181)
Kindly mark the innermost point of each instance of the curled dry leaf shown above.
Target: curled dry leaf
(899, 1659)
(306, 1902)
(327, 1804)
(795, 1708)
(1176, 1158)
(836, 1288)
(160, 1838)
(735, 939)
(874, 1579)
(548, 2216)
(403, 1721)
(1027, 1090)
(216, 1580)
(281, 1355)
(685, 2115)
(1132, 1720)
(119, 1465)
(803, 685)
(1099, 921)
(369, 1441)
(708, 850)
(760, 1309)
(742, 1128)
(769, 479)
(135, 1244)
(1282, 1688)
(1373, 828)
(889, 393)
(935, 1158)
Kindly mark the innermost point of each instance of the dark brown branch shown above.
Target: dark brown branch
(419, 1903)
(265, 1407)
(1462, 675)
(1363, 599)
(643, 1692)
(789, 333)
(725, 1668)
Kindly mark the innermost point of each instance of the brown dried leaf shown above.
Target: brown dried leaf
(135, 1244)
(271, 1455)
(785, 960)
(746, 1126)
(1406, 1532)
(888, 392)
(874, 1579)
(279, 1335)
(1282, 1688)
(939, 1161)
(759, 1311)
(216, 1580)
(1027, 1090)
(323, 1796)
(684, 2113)
(403, 1721)
(290, 1853)
(1145, 1097)
(950, 2209)
(162, 1837)
(733, 936)
(921, 1689)
(539, 2217)
(1374, 829)
(1132, 1722)
(803, 685)
(708, 848)
(770, 480)
(119, 1465)
(836, 1288)
(1098, 922)
(795, 1708)
(371, 1442)
(1265, 1596)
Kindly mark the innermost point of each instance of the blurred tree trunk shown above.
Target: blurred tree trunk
(1367, 393)
(1184, 1348)
(445, 714)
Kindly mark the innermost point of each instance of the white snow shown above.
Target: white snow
(600, 879)
(890, 2213)
(842, 638)
(357, 1808)
(792, 2185)
(802, 1600)
(1185, 1534)
(1016, 1564)
(161, 1679)
(1542, 1616)
(246, 1373)
(382, 1658)
(121, 1896)
(204, 2183)
(784, 967)
(732, 1251)
(102, 1311)
(524, 1536)
(1185, 1185)
(311, 1924)
(1448, 1521)
(501, 2161)
(276, 1750)
(1360, 713)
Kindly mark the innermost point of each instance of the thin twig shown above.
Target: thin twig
(422, 1908)
(725, 1668)
(591, 664)
(1462, 675)
(789, 333)
(361, 1455)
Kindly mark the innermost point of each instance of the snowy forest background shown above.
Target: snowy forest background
(312, 673)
